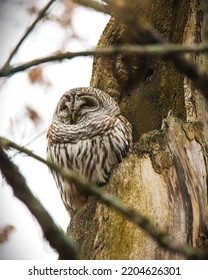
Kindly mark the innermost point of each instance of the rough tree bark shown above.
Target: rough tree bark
(165, 176)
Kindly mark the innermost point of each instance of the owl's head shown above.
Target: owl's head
(81, 104)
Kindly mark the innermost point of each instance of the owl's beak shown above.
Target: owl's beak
(73, 116)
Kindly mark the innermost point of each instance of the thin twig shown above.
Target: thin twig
(114, 202)
(30, 142)
(148, 50)
(40, 16)
(35, 138)
(93, 5)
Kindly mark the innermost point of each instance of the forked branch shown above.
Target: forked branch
(39, 17)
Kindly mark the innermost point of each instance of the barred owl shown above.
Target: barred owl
(87, 135)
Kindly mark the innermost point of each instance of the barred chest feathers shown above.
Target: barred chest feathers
(87, 135)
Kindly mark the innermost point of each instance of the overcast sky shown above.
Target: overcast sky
(17, 93)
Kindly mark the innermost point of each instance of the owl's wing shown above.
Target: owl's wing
(121, 138)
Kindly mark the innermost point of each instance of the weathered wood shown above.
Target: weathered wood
(166, 181)
(165, 177)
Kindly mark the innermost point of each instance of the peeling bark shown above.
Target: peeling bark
(165, 177)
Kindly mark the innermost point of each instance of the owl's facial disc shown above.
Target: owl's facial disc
(76, 108)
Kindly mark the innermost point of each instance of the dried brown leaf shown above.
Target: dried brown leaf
(36, 75)
(5, 233)
(33, 115)
(32, 10)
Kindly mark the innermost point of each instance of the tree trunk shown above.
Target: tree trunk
(165, 176)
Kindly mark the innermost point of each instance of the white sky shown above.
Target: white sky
(26, 241)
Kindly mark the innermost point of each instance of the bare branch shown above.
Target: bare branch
(140, 28)
(93, 5)
(85, 186)
(40, 16)
(148, 50)
(55, 236)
